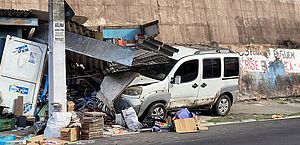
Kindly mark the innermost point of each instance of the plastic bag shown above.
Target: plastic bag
(119, 119)
(57, 121)
(131, 119)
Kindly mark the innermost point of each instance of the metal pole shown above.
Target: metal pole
(56, 56)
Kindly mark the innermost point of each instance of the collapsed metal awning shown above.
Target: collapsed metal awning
(121, 57)
(90, 47)
(79, 41)
(99, 49)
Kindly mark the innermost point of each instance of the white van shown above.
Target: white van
(198, 79)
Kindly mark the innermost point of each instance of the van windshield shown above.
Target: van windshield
(158, 72)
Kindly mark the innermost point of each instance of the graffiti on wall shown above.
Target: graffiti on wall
(288, 57)
(257, 62)
(271, 73)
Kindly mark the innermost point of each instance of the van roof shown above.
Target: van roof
(186, 51)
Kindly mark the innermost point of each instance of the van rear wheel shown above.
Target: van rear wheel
(222, 106)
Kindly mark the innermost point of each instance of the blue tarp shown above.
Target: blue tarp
(125, 33)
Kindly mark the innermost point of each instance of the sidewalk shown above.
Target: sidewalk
(280, 106)
(257, 111)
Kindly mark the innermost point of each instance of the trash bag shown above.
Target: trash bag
(57, 121)
(131, 119)
(119, 120)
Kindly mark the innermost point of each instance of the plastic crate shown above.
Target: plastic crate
(7, 123)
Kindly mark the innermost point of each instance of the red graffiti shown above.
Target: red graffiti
(288, 66)
(251, 64)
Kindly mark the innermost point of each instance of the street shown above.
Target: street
(277, 132)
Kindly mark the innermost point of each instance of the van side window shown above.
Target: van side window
(211, 68)
(188, 71)
(231, 66)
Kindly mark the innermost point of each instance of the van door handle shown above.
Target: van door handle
(203, 85)
(195, 85)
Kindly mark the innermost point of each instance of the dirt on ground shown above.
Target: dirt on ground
(252, 110)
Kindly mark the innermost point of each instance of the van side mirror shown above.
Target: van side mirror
(176, 80)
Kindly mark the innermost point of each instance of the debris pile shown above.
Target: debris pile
(98, 73)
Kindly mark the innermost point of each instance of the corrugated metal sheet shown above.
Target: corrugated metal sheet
(87, 62)
(158, 47)
(16, 13)
(142, 58)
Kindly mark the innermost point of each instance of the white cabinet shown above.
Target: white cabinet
(20, 72)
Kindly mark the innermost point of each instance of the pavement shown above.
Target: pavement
(278, 132)
(248, 111)
(271, 106)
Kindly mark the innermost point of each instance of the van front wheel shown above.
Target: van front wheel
(158, 109)
(222, 106)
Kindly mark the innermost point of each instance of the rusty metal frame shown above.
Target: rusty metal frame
(9, 21)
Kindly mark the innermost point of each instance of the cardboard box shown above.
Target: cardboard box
(32, 144)
(36, 139)
(18, 106)
(70, 134)
(71, 106)
(185, 125)
(39, 140)
(51, 141)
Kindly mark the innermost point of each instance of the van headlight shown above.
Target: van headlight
(133, 91)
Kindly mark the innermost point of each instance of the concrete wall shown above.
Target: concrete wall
(193, 21)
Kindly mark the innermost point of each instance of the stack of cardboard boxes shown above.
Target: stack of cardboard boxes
(92, 126)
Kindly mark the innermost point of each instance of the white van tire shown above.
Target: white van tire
(222, 106)
(157, 109)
